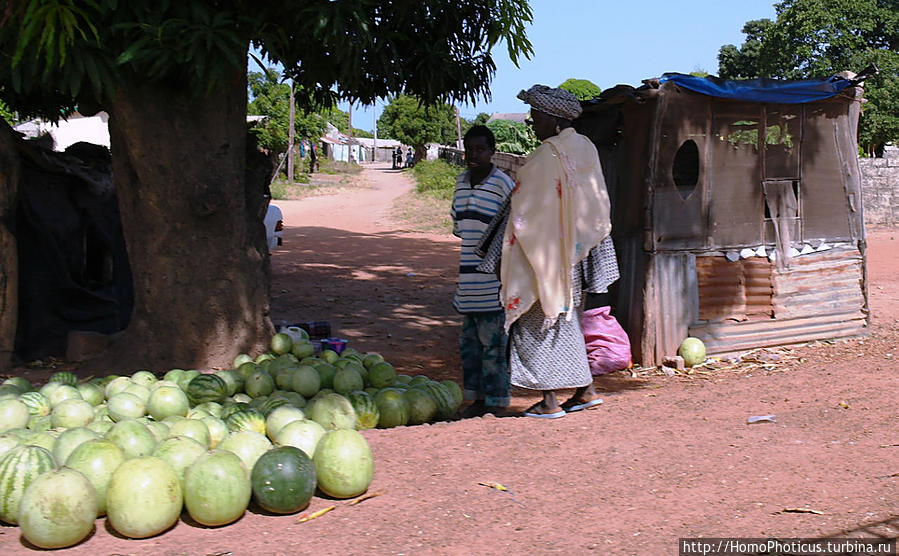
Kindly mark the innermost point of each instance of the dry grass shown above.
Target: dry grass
(419, 212)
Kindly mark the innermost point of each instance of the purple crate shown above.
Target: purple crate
(336, 345)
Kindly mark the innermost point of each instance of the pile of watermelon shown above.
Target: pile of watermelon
(141, 450)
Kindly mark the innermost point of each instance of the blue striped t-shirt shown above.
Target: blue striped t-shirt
(472, 209)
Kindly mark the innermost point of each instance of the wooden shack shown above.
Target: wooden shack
(737, 213)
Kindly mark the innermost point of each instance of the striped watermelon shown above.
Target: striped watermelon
(206, 388)
(246, 420)
(64, 377)
(272, 402)
(38, 404)
(446, 402)
(367, 413)
(233, 380)
(18, 469)
(231, 408)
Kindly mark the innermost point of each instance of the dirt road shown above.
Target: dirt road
(662, 459)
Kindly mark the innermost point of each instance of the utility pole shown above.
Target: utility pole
(374, 123)
(458, 129)
(290, 139)
(350, 126)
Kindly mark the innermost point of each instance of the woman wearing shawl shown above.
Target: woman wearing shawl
(550, 248)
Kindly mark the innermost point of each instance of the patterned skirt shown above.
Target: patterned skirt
(548, 359)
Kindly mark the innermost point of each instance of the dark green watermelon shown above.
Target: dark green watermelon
(283, 480)
(206, 388)
(394, 411)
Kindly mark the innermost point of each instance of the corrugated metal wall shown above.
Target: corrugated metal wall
(820, 296)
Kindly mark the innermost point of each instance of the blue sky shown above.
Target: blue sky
(609, 43)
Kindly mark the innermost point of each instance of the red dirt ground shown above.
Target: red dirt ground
(663, 458)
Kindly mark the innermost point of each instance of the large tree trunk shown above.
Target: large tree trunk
(9, 257)
(193, 226)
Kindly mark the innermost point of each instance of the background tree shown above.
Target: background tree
(270, 97)
(583, 89)
(743, 62)
(173, 77)
(6, 114)
(480, 119)
(412, 123)
(513, 137)
(818, 38)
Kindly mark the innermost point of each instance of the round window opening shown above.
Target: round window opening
(686, 168)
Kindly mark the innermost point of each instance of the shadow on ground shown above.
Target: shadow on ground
(387, 292)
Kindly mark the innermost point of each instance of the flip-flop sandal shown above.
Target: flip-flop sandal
(586, 405)
(529, 413)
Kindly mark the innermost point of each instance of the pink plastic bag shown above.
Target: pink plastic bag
(608, 347)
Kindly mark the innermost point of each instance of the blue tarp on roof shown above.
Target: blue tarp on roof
(777, 91)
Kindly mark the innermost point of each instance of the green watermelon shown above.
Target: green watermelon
(367, 413)
(455, 390)
(21, 383)
(230, 408)
(64, 377)
(326, 373)
(348, 379)
(259, 383)
(422, 407)
(206, 388)
(233, 379)
(332, 411)
(394, 411)
(381, 375)
(38, 404)
(446, 402)
(306, 381)
(283, 480)
(18, 469)
(246, 420)
(281, 343)
(271, 403)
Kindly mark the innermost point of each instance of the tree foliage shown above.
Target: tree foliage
(407, 120)
(7, 114)
(513, 137)
(583, 89)
(271, 98)
(480, 119)
(440, 50)
(818, 38)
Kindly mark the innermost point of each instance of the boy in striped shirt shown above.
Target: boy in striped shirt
(479, 194)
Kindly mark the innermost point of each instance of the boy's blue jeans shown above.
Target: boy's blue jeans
(482, 345)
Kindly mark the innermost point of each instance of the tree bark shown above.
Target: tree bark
(10, 164)
(192, 222)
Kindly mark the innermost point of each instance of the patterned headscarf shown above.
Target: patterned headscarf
(555, 102)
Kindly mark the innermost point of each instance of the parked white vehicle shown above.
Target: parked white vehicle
(274, 227)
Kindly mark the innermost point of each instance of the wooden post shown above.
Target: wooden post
(458, 129)
(290, 138)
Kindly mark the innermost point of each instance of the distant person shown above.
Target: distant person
(409, 158)
(480, 191)
(313, 158)
(393, 156)
(398, 158)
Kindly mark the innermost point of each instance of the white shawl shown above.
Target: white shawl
(559, 211)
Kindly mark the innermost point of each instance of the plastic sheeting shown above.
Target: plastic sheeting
(775, 91)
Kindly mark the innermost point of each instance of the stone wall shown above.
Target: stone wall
(880, 188)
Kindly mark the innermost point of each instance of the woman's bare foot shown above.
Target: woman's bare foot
(583, 398)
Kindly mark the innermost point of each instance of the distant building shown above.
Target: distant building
(519, 117)
(76, 128)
